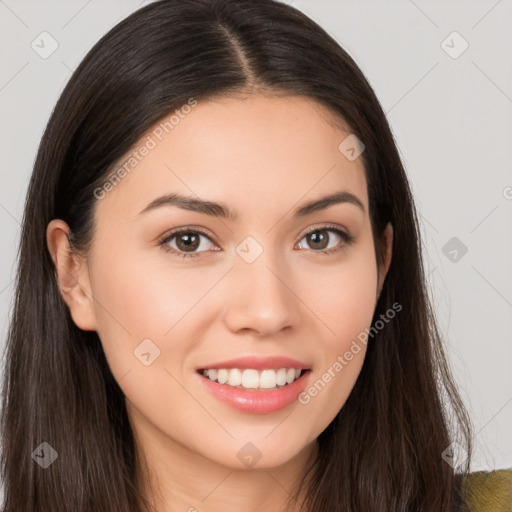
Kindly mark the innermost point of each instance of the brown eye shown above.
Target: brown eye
(319, 240)
(186, 242)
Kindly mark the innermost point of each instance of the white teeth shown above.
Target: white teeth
(222, 376)
(281, 376)
(253, 379)
(268, 379)
(250, 379)
(235, 377)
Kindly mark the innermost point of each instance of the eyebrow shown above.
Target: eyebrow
(223, 211)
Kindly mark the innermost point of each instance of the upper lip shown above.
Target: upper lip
(258, 363)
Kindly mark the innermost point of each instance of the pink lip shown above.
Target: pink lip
(258, 363)
(255, 401)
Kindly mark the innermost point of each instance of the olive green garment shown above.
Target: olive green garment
(489, 491)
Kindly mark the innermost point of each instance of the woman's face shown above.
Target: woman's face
(251, 285)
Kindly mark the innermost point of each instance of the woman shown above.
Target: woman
(220, 301)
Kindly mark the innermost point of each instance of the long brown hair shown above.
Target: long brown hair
(385, 449)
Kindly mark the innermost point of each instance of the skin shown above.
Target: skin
(262, 156)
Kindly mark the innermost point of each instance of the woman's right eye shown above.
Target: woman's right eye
(185, 241)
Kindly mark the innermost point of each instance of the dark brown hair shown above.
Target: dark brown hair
(383, 451)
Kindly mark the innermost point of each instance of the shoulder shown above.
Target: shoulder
(489, 491)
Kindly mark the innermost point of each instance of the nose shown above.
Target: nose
(261, 297)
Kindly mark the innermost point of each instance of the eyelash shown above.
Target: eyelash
(348, 239)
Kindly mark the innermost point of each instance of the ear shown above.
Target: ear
(72, 275)
(383, 269)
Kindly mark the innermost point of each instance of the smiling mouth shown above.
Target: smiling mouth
(253, 379)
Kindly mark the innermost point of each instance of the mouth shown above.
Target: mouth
(255, 384)
(254, 379)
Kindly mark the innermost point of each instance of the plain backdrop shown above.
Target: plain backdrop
(443, 74)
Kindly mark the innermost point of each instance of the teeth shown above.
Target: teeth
(250, 379)
(268, 379)
(234, 377)
(253, 379)
(222, 376)
(281, 376)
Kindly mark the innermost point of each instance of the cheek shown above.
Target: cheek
(343, 301)
(147, 317)
(141, 297)
(342, 297)
(147, 294)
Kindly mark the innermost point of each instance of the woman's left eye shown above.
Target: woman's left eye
(188, 241)
(322, 242)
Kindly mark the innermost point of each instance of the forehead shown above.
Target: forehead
(248, 151)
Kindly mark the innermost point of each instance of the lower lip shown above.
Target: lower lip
(257, 402)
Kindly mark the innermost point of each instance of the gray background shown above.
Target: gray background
(451, 116)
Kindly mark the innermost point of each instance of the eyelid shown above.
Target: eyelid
(326, 227)
(186, 229)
